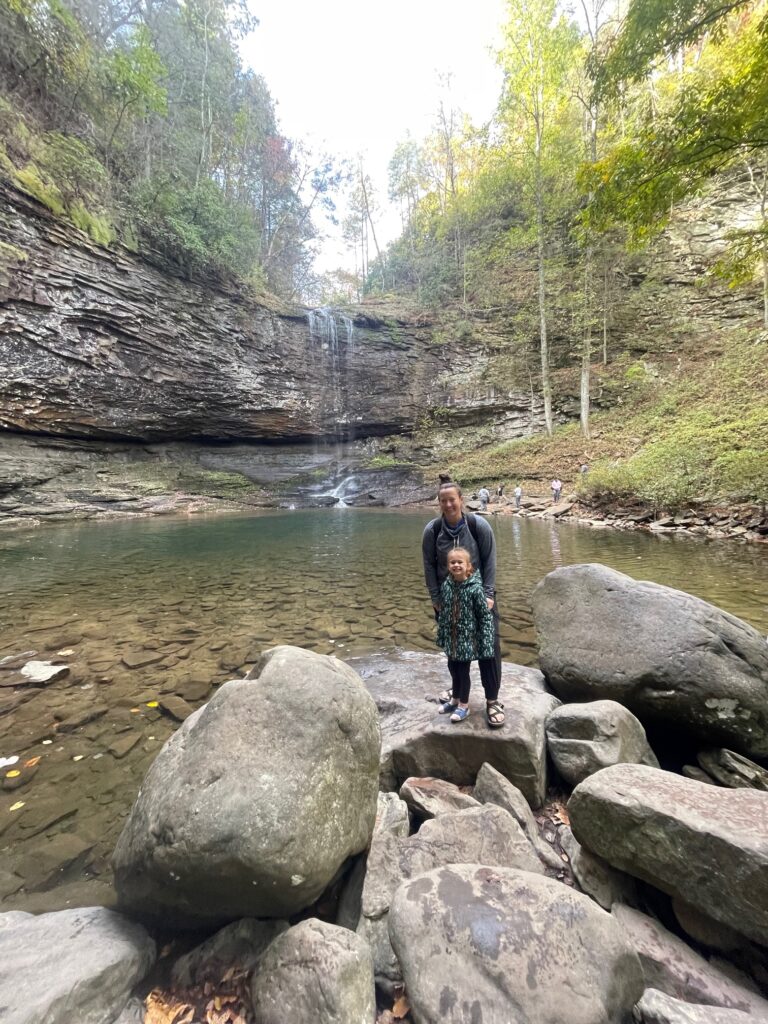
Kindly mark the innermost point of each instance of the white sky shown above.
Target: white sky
(353, 76)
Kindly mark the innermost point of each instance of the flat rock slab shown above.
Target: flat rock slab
(666, 655)
(72, 966)
(495, 945)
(704, 844)
(417, 741)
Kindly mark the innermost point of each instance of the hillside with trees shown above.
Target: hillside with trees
(611, 122)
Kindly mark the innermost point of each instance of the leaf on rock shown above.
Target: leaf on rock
(401, 1008)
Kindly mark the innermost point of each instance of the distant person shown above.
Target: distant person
(484, 496)
(465, 629)
(518, 495)
(500, 491)
(583, 469)
(454, 528)
(557, 486)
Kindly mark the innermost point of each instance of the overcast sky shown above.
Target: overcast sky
(350, 76)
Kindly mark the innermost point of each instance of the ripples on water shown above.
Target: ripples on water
(197, 600)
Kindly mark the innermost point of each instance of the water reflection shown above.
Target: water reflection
(150, 610)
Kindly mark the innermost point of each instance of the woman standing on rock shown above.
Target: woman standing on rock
(455, 528)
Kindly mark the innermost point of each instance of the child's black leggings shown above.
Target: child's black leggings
(489, 677)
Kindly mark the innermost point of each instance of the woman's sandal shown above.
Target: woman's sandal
(495, 712)
(459, 714)
(446, 697)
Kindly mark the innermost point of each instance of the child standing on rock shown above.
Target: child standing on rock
(465, 629)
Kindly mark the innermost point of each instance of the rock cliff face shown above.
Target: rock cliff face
(97, 343)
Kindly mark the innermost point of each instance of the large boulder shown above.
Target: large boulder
(667, 656)
(583, 738)
(315, 972)
(254, 804)
(498, 945)
(485, 835)
(72, 965)
(706, 845)
(429, 798)
(672, 967)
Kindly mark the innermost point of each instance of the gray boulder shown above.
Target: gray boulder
(392, 815)
(492, 788)
(499, 945)
(704, 844)
(254, 804)
(583, 738)
(487, 835)
(70, 966)
(315, 972)
(429, 797)
(671, 966)
(667, 656)
(658, 1008)
(595, 876)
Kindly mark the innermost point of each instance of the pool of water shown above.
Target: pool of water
(145, 610)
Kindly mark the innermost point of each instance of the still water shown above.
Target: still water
(142, 611)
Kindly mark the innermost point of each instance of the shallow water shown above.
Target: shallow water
(190, 603)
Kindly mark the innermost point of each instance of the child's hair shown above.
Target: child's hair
(462, 551)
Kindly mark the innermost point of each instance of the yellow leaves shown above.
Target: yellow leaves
(13, 774)
(18, 805)
(401, 1007)
(164, 1009)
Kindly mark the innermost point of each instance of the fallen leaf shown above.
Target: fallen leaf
(32, 762)
(78, 757)
(13, 774)
(401, 1008)
(18, 805)
(153, 703)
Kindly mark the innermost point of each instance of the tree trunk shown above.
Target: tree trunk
(546, 387)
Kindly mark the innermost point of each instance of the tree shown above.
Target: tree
(537, 58)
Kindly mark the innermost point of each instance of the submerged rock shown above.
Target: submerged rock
(667, 656)
(704, 844)
(497, 945)
(254, 804)
(73, 965)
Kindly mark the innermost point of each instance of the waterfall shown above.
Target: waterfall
(331, 337)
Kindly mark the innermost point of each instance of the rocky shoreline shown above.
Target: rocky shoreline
(316, 844)
(748, 524)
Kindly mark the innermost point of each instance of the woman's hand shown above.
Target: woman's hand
(489, 602)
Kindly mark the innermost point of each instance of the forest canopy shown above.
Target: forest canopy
(136, 118)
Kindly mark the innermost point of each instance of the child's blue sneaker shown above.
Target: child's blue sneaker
(460, 714)
(447, 707)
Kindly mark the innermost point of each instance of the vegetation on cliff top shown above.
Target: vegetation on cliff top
(687, 432)
(138, 121)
